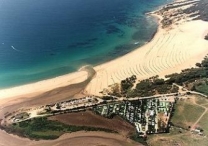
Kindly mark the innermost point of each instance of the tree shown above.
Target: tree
(206, 37)
(198, 65)
(159, 81)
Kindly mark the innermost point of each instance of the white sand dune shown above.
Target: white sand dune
(168, 52)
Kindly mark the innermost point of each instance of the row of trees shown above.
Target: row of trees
(190, 75)
(152, 86)
(148, 87)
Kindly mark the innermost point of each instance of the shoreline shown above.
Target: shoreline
(94, 136)
(124, 37)
(59, 80)
(78, 69)
(169, 51)
(111, 68)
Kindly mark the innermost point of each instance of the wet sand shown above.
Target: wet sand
(73, 139)
(52, 96)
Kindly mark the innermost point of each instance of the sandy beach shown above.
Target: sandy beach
(171, 50)
(168, 52)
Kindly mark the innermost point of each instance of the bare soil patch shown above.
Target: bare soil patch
(177, 139)
(88, 118)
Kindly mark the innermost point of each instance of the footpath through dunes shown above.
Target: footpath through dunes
(168, 52)
(52, 96)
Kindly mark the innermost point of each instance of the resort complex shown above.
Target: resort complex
(149, 115)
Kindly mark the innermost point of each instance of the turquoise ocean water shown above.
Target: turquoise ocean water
(41, 39)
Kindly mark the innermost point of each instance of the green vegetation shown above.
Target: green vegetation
(193, 78)
(148, 87)
(152, 86)
(107, 98)
(115, 90)
(201, 100)
(189, 78)
(190, 75)
(121, 89)
(41, 128)
(186, 114)
(127, 84)
(22, 116)
(202, 86)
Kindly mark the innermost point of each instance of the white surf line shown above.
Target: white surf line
(136, 43)
(15, 49)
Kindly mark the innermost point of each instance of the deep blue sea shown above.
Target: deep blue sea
(41, 39)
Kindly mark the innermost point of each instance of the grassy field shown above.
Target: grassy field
(201, 100)
(206, 105)
(186, 114)
(203, 88)
(204, 123)
(182, 139)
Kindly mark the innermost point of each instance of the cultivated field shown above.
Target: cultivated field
(90, 119)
